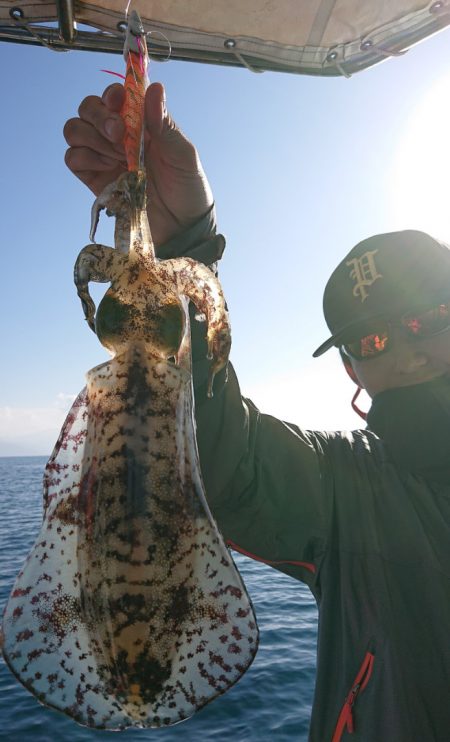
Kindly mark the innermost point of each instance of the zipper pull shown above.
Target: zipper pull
(350, 722)
(351, 698)
(345, 720)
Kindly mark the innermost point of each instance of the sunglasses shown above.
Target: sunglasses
(418, 326)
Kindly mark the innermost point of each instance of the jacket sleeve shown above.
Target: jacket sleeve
(262, 481)
(262, 476)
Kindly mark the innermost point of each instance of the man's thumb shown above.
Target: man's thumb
(155, 108)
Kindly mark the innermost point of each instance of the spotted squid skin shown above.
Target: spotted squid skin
(129, 610)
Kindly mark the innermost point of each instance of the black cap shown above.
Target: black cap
(384, 276)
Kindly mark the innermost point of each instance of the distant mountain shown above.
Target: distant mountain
(29, 445)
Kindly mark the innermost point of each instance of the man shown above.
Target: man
(363, 518)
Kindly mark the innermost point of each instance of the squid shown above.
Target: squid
(129, 610)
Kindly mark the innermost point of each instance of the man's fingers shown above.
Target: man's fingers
(96, 179)
(109, 124)
(96, 155)
(94, 170)
(113, 97)
(82, 158)
(78, 133)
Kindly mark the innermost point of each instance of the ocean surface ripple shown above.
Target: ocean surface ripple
(271, 703)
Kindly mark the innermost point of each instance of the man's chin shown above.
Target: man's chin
(400, 382)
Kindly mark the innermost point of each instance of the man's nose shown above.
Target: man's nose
(409, 357)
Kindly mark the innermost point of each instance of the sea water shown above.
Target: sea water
(271, 703)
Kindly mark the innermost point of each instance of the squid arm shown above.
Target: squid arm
(197, 282)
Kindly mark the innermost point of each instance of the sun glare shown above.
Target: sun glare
(420, 176)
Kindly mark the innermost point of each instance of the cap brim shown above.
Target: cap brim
(347, 334)
(330, 343)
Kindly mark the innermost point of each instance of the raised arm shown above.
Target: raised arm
(179, 192)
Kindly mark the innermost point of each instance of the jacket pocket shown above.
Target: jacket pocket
(345, 720)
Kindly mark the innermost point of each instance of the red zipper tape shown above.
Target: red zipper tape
(346, 716)
(307, 565)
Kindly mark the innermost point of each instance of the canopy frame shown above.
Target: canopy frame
(103, 30)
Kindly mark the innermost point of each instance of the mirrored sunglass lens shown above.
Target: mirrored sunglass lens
(429, 323)
(369, 346)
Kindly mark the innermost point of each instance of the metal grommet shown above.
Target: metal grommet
(16, 13)
(229, 44)
(437, 6)
(122, 26)
(331, 56)
(367, 44)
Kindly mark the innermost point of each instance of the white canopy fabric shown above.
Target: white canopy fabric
(315, 37)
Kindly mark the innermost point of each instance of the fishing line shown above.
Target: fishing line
(151, 33)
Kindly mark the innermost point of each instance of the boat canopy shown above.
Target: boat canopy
(313, 37)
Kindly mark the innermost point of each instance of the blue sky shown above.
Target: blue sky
(302, 168)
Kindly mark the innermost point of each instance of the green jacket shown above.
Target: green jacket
(372, 543)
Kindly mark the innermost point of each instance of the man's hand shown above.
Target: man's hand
(178, 190)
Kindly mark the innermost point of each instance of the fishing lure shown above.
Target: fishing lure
(129, 610)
